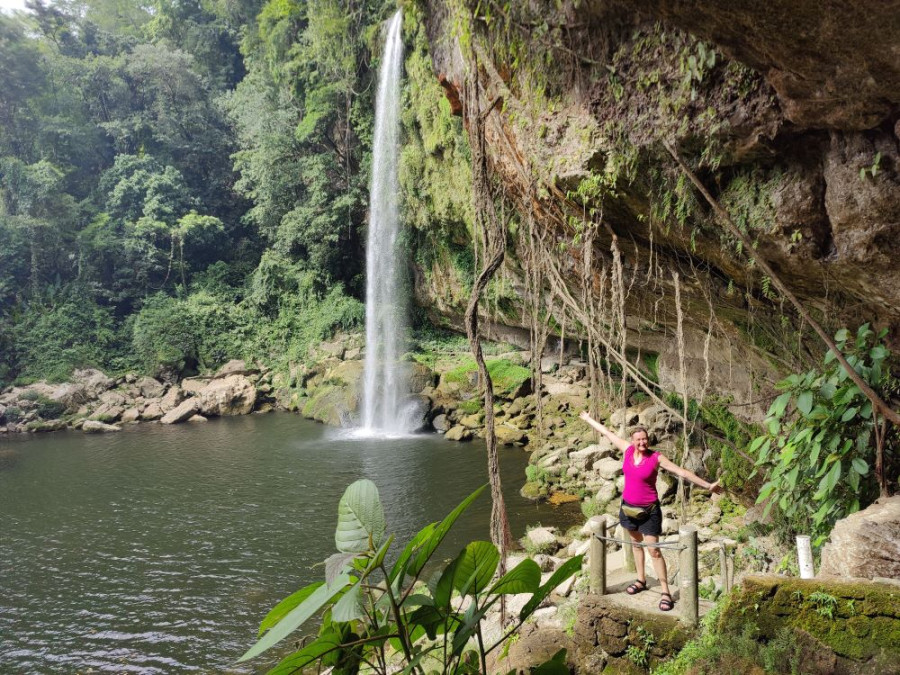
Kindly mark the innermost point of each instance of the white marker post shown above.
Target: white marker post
(804, 556)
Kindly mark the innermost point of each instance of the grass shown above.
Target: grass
(506, 375)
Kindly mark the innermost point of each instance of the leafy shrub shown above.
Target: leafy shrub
(505, 374)
(818, 452)
(66, 332)
(48, 409)
(386, 617)
(13, 414)
(165, 335)
(713, 653)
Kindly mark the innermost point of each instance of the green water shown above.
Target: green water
(159, 549)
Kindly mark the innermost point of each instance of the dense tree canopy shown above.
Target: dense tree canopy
(159, 157)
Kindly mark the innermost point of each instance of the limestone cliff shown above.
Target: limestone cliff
(789, 112)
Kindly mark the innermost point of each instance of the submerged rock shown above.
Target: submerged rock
(95, 427)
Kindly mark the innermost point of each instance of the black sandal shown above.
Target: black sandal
(636, 587)
(666, 603)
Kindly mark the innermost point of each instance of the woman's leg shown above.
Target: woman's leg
(659, 563)
(637, 537)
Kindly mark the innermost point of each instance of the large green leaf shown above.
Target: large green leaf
(443, 589)
(297, 616)
(361, 523)
(421, 537)
(309, 654)
(804, 402)
(523, 578)
(425, 551)
(477, 563)
(860, 466)
(279, 611)
(349, 607)
(834, 475)
(779, 405)
(555, 666)
(563, 572)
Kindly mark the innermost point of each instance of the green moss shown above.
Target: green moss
(531, 490)
(330, 404)
(471, 406)
(856, 620)
(506, 375)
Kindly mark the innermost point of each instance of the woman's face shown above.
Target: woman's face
(640, 441)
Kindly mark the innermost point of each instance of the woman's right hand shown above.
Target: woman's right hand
(586, 416)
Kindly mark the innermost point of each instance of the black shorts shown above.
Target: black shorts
(650, 524)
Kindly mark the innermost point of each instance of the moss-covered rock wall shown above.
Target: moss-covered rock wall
(846, 627)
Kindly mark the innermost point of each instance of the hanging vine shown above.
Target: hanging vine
(491, 229)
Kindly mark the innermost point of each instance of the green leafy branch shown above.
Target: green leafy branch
(818, 450)
(384, 617)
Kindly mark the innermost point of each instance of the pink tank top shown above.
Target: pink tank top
(640, 481)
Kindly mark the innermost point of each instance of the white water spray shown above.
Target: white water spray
(385, 402)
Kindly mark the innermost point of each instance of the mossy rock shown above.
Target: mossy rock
(857, 620)
(331, 404)
(531, 490)
(508, 378)
(39, 426)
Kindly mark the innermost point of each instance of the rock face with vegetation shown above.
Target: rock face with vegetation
(840, 627)
(801, 151)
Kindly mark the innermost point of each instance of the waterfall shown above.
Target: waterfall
(385, 402)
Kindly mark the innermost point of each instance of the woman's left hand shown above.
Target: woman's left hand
(715, 488)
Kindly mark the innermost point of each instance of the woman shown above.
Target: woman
(640, 513)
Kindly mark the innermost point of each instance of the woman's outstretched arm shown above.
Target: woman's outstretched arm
(620, 443)
(672, 467)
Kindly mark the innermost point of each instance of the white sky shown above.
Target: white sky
(9, 5)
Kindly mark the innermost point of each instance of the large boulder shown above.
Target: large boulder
(151, 412)
(150, 388)
(534, 646)
(86, 385)
(93, 381)
(194, 385)
(231, 395)
(608, 468)
(348, 373)
(107, 412)
(420, 376)
(865, 544)
(172, 398)
(183, 411)
(459, 433)
(510, 436)
(235, 367)
(332, 404)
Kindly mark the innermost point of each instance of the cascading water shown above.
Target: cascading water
(385, 402)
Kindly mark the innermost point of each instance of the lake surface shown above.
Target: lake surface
(159, 549)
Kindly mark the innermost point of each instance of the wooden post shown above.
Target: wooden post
(597, 567)
(804, 556)
(690, 598)
(629, 553)
(730, 567)
(723, 566)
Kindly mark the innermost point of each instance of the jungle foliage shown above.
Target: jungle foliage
(180, 182)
